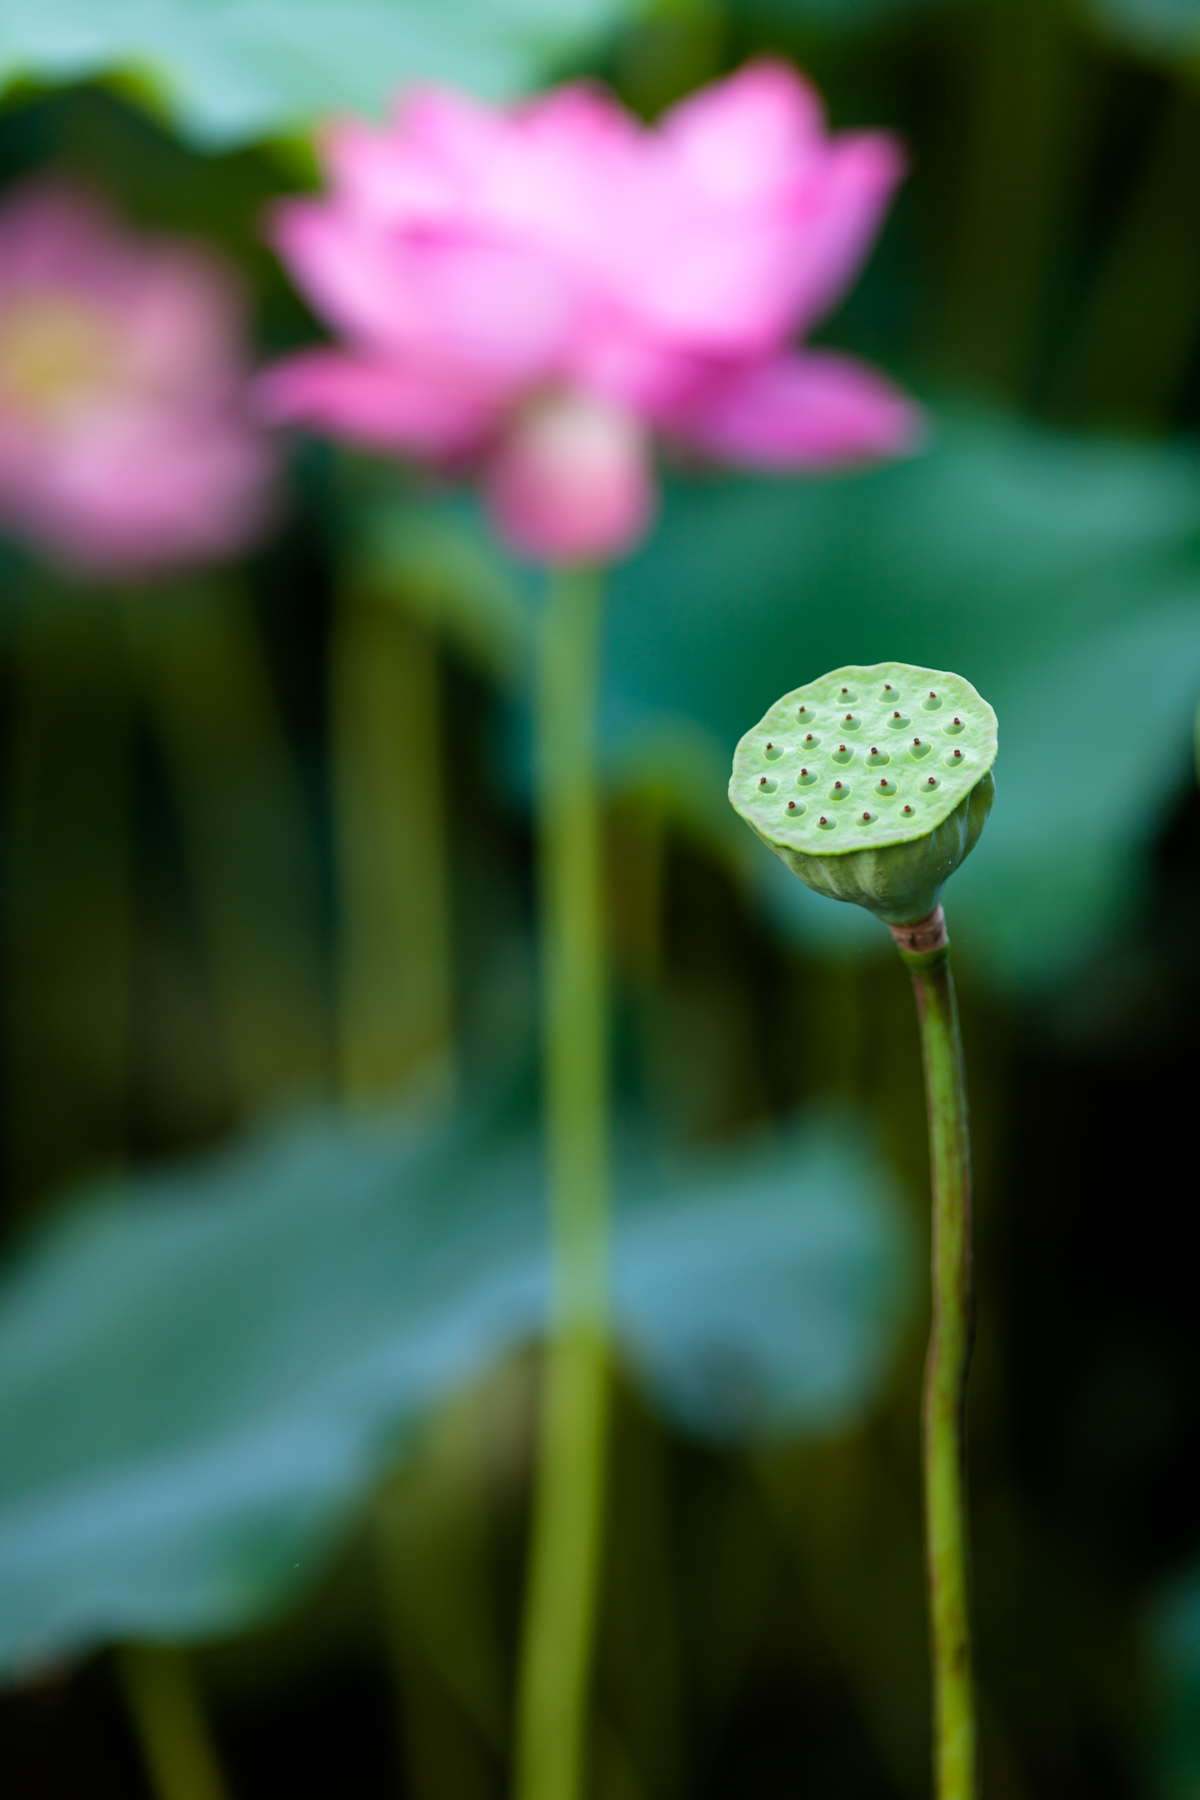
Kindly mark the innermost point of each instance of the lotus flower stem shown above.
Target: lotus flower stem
(560, 1607)
(946, 1546)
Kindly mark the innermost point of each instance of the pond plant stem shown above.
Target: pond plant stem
(926, 950)
(177, 1745)
(568, 1503)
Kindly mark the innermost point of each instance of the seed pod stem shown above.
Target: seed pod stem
(943, 1448)
(560, 1600)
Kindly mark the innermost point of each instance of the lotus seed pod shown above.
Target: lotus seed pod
(880, 782)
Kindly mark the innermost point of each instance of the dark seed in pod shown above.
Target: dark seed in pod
(895, 715)
(824, 820)
(762, 781)
(931, 782)
(867, 817)
(791, 806)
(908, 809)
(837, 784)
(958, 753)
(916, 740)
(804, 771)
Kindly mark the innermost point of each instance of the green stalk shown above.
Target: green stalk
(395, 984)
(560, 1604)
(445, 1640)
(946, 1549)
(66, 820)
(1133, 347)
(168, 1715)
(208, 690)
(1017, 182)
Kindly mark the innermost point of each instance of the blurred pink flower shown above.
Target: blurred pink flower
(535, 292)
(125, 446)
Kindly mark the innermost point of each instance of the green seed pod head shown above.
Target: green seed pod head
(871, 783)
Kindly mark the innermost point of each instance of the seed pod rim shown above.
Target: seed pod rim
(777, 768)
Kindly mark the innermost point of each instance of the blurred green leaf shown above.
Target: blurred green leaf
(835, 17)
(200, 1381)
(759, 1290)
(233, 70)
(1159, 27)
(1173, 1642)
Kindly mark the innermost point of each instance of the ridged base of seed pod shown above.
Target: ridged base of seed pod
(899, 883)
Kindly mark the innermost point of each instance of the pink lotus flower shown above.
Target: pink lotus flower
(534, 293)
(124, 441)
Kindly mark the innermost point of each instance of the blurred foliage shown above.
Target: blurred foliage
(1059, 573)
(247, 69)
(200, 1383)
(1173, 1749)
(1166, 27)
(229, 887)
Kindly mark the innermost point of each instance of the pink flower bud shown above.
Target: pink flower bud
(571, 481)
